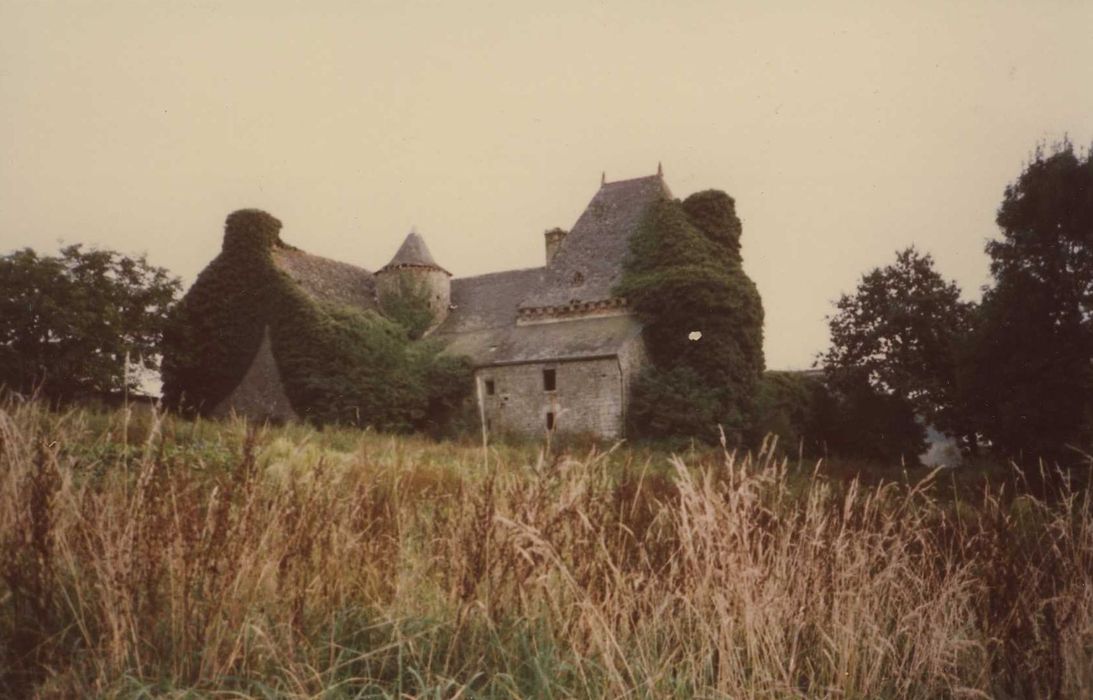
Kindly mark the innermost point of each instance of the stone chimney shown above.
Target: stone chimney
(554, 238)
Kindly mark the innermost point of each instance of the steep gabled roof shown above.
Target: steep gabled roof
(589, 263)
(413, 253)
(327, 280)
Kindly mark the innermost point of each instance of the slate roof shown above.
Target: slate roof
(488, 301)
(589, 262)
(584, 338)
(328, 280)
(413, 253)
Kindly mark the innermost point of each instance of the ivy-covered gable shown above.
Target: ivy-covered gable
(338, 363)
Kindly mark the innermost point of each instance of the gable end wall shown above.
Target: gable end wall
(588, 398)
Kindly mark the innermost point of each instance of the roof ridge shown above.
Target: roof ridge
(500, 272)
(654, 176)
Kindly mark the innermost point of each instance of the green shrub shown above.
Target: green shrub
(797, 408)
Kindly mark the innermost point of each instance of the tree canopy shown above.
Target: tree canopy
(84, 321)
(1028, 378)
(899, 332)
(703, 319)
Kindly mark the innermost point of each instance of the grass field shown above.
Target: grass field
(146, 556)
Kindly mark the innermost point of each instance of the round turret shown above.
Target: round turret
(413, 283)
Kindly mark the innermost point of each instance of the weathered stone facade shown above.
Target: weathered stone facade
(588, 397)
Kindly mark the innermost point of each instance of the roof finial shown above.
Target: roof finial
(413, 228)
(660, 170)
(603, 178)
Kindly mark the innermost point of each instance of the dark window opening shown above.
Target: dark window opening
(550, 421)
(550, 380)
(490, 387)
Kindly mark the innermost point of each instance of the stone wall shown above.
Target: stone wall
(632, 360)
(436, 283)
(588, 398)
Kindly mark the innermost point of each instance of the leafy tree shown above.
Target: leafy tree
(70, 323)
(701, 313)
(1028, 376)
(900, 333)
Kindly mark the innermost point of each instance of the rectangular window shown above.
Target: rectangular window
(490, 388)
(550, 380)
(550, 421)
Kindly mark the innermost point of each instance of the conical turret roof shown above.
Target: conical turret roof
(413, 253)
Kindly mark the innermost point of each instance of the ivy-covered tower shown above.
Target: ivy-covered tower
(412, 288)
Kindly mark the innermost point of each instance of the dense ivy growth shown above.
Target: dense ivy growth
(338, 364)
(408, 306)
(703, 320)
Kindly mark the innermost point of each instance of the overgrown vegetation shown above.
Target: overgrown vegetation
(1015, 371)
(899, 334)
(1028, 371)
(142, 556)
(703, 321)
(408, 306)
(799, 409)
(84, 322)
(338, 364)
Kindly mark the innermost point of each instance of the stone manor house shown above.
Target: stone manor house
(552, 348)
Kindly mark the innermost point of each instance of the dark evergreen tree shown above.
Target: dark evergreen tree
(1028, 377)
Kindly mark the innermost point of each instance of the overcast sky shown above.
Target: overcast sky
(844, 131)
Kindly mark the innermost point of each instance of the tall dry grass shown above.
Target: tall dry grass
(152, 556)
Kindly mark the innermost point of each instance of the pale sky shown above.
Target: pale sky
(844, 131)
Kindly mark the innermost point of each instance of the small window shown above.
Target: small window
(550, 421)
(550, 380)
(491, 389)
